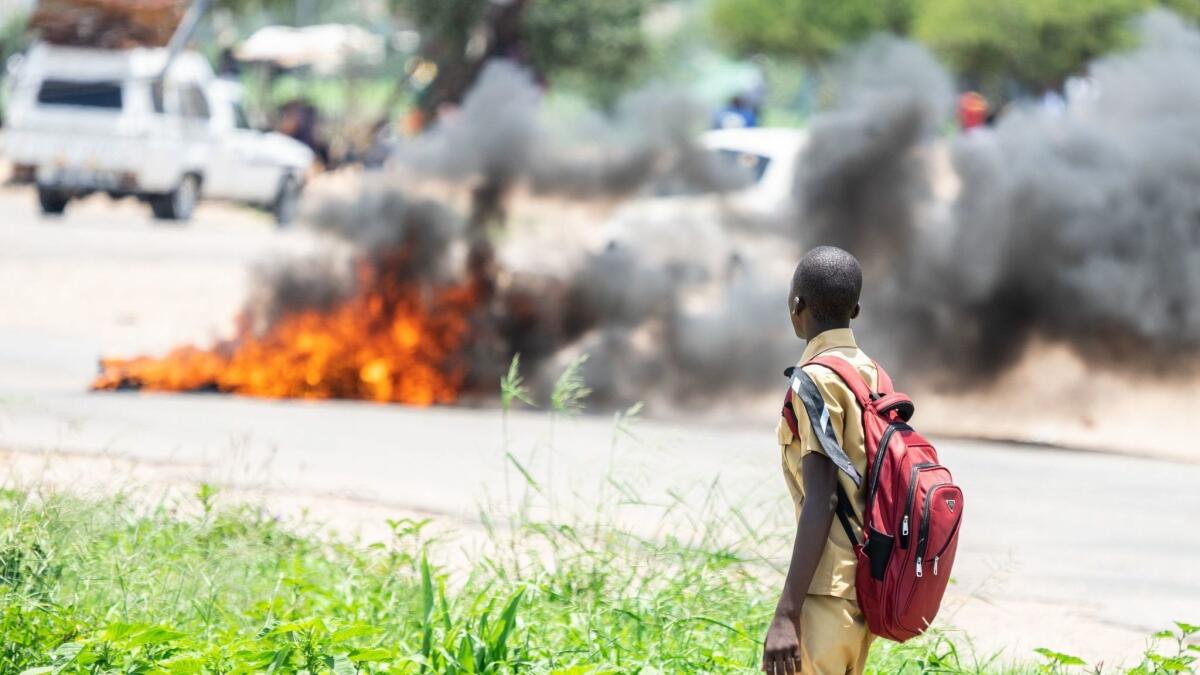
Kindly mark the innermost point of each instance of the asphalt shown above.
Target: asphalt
(1081, 552)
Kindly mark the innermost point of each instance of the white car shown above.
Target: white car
(91, 120)
(768, 159)
(770, 154)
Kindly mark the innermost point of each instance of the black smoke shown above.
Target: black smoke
(1079, 226)
(861, 178)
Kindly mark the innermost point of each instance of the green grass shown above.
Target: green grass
(194, 585)
(105, 586)
(110, 587)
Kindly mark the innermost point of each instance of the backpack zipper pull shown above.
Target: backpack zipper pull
(904, 526)
(920, 569)
(935, 561)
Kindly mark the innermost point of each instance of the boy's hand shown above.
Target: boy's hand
(781, 649)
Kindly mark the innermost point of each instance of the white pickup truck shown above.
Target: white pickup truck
(90, 120)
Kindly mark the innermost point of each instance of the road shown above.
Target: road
(1082, 552)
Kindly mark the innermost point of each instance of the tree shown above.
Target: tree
(1037, 43)
(1032, 43)
(451, 33)
(595, 46)
(808, 29)
(256, 12)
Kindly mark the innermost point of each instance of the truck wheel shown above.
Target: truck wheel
(180, 202)
(53, 202)
(287, 201)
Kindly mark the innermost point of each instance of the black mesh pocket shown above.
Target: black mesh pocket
(879, 551)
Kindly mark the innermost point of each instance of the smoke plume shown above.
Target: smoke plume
(1089, 232)
(659, 304)
(500, 135)
(1080, 226)
(860, 179)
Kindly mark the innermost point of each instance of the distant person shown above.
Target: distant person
(839, 410)
(735, 115)
(1052, 102)
(755, 95)
(972, 110)
(299, 119)
(228, 66)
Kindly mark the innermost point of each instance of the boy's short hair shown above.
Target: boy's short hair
(830, 282)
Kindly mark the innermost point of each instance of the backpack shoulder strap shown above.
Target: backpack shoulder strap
(882, 401)
(818, 417)
(852, 378)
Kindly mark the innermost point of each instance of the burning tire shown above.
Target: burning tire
(53, 202)
(179, 203)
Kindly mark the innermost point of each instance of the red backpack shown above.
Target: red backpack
(913, 508)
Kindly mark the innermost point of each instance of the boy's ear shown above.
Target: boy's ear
(854, 312)
(797, 304)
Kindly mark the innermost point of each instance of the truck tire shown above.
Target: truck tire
(179, 203)
(53, 202)
(287, 201)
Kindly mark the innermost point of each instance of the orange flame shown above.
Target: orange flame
(392, 341)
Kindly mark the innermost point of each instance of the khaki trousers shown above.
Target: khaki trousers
(834, 639)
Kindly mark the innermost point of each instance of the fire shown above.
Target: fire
(394, 340)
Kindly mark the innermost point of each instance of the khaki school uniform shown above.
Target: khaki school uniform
(833, 633)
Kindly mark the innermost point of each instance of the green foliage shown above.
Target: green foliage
(200, 587)
(283, 9)
(1181, 657)
(512, 385)
(1057, 662)
(1036, 42)
(1189, 9)
(570, 390)
(595, 47)
(445, 25)
(107, 587)
(13, 39)
(810, 29)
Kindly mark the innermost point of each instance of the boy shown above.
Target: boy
(818, 628)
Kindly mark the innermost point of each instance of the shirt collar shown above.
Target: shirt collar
(830, 339)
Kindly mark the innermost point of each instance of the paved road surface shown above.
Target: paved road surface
(1081, 552)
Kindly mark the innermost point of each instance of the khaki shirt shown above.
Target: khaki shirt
(835, 571)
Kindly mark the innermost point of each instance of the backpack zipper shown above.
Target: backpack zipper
(923, 538)
(950, 538)
(908, 503)
(880, 453)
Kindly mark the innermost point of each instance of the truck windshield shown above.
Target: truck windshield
(81, 93)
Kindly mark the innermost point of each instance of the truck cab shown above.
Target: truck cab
(84, 120)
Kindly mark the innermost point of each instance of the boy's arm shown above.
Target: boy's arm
(781, 650)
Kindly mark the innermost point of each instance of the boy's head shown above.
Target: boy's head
(824, 292)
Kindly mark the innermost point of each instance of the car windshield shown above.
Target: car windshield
(755, 164)
(82, 93)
